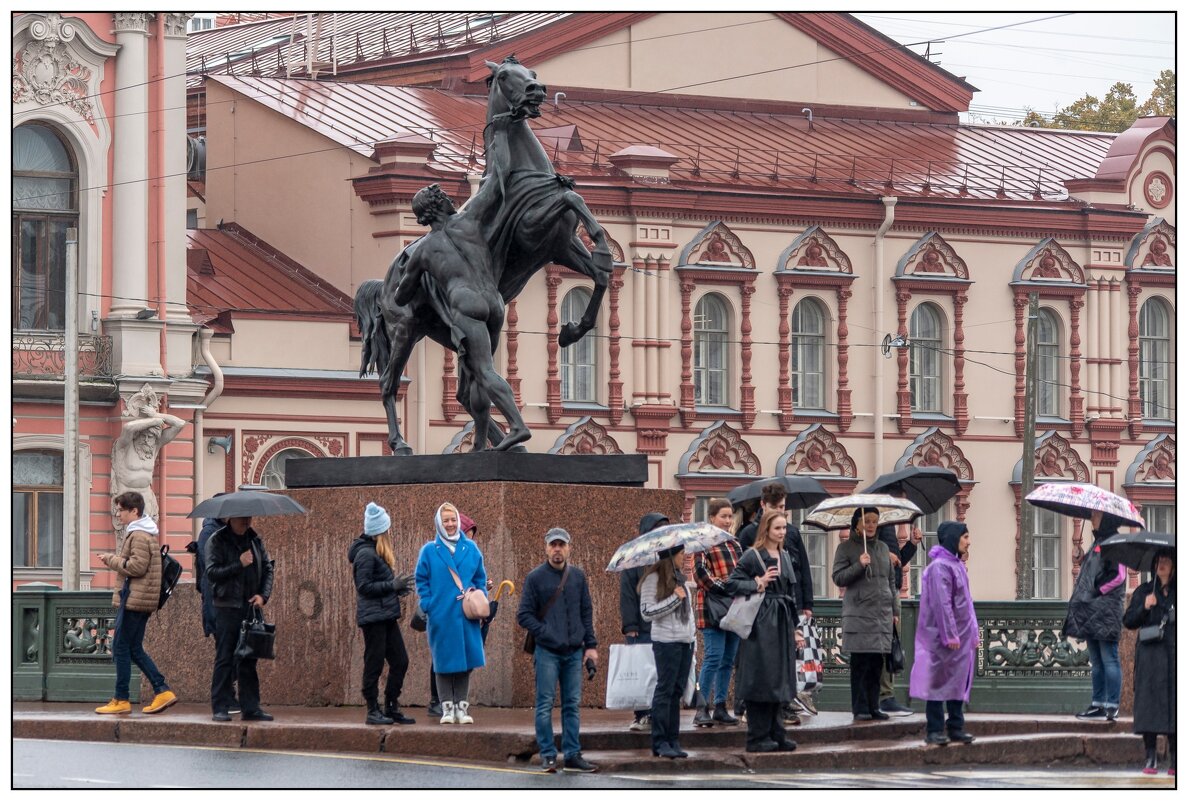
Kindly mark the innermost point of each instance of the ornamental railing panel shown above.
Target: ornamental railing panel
(41, 355)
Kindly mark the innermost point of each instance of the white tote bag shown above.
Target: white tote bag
(741, 615)
(631, 679)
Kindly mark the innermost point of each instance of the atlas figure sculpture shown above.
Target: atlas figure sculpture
(452, 284)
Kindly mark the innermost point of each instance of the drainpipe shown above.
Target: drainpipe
(216, 389)
(888, 218)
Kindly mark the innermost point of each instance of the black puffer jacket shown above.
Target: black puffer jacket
(377, 600)
(1092, 615)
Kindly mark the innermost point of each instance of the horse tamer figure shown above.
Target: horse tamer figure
(452, 285)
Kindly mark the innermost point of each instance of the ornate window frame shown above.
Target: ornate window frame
(82, 507)
(585, 437)
(716, 257)
(814, 263)
(931, 267)
(717, 442)
(1150, 265)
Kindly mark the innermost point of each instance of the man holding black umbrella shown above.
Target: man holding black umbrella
(240, 573)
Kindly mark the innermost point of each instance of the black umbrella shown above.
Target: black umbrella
(803, 491)
(927, 487)
(248, 503)
(1137, 550)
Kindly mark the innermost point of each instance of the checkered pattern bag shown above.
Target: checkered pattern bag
(809, 668)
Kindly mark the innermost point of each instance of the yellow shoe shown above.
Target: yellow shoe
(161, 702)
(114, 707)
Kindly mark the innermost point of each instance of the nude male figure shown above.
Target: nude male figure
(452, 263)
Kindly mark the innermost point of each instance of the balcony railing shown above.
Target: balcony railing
(41, 355)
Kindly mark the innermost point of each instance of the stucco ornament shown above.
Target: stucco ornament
(46, 72)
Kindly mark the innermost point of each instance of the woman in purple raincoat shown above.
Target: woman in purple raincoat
(946, 637)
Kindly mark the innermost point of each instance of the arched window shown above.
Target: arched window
(710, 355)
(1155, 359)
(44, 205)
(1045, 571)
(1047, 363)
(808, 355)
(274, 471)
(924, 365)
(37, 508)
(579, 362)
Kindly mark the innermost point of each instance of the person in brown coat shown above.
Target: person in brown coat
(136, 597)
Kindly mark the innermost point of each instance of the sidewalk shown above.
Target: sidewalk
(828, 741)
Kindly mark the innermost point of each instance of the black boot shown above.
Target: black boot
(392, 710)
(1152, 764)
(703, 718)
(722, 716)
(375, 717)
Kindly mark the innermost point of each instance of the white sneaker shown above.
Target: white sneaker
(460, 713)
(447, 712)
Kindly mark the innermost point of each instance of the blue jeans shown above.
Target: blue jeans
(128, 647)
(934, 711)
(552, 668)
(1107, 673)
(720, 650)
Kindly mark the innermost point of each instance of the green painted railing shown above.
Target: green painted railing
(1024, 665)
(61, 645)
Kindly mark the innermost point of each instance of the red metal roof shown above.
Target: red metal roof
(715, 145)
(263, 48)
(230, 272)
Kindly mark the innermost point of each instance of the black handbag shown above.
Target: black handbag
(716, 607)
(257, 639)
(1152, 633)
(895, 660)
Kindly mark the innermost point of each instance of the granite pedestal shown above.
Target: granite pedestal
(319, 647)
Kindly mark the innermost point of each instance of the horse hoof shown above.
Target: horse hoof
(402, 450)
(570, 333)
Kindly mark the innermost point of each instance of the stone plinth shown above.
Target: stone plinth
(319, 647)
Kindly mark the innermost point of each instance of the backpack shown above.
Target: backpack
(171, 571)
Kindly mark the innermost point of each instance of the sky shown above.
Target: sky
(1044, 65)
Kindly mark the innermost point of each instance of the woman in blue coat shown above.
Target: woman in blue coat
(456, 643)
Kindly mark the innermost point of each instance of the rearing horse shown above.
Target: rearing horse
(528, 216)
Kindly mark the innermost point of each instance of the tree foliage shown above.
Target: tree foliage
(1116, 112)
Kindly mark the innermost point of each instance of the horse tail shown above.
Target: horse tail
(370, 317)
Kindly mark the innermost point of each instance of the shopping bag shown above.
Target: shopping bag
(810, 667)
(631, 677)
(257, 639)
(741, 616)
(691, 683)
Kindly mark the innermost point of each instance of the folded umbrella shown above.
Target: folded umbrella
(1137, 550)
(646, 548)
(248, 503)
(511, 590)
(1082, 500)
(927, 487)
(836, 513)
(802, 491)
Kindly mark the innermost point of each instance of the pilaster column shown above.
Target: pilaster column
(1103, 347)
(960, 397)
(845, 413)
(513, 348)
(663, 347)
(1020, 362)
(553, 379)
(450, 408)
(785, 388)
(687, 397)
(639, 277)
(1117, 387)
(614, 399)
(747, 401)
(652, 332)
(130, 170)
(1133, 404)
(1076, 402)
(903, 394)
(1092, 402)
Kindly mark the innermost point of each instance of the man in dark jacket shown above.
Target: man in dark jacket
(240, 574)
(1095, 615)
(637, 630)
(202, 582)
(555, 608)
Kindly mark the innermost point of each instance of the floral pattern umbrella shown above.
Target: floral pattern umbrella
(836, 513)
(1082, 500)
(646, 548)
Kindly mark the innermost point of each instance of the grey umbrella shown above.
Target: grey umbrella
(802, 491)
(248, 503)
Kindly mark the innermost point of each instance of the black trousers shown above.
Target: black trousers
(383, 642)
(227, 669)
(866, 669)
(765, 721)
(673, 662)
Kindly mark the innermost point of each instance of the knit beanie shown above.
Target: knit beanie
(949, 533)
(375, 520)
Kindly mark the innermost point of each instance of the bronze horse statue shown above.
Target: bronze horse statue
(525, 216)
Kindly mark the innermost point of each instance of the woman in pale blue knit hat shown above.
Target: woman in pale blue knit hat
(378, 590)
